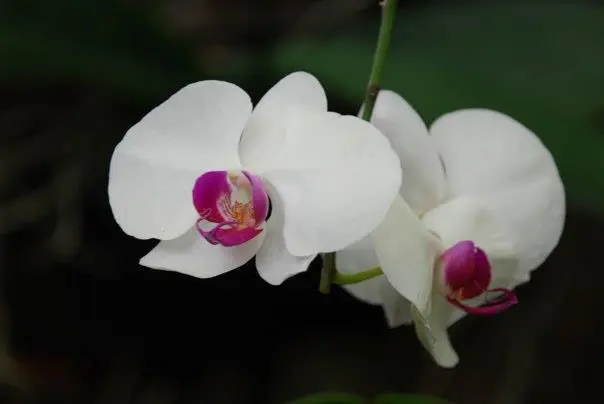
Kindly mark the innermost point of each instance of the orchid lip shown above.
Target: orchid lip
(466, 270)
(232, 207)
(503, 303)
(466, 274)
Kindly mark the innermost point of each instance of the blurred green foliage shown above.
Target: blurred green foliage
(111, 44)
(542, 64)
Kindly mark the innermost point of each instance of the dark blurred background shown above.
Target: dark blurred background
(81, 322)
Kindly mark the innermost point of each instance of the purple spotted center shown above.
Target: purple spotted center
(232, 206)
(466, 274)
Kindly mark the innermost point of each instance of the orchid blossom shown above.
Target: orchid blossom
(202, 170)
(481, 206)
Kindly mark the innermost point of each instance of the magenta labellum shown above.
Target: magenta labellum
(466, 274)
(232, 206)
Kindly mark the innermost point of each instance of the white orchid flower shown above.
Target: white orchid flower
(198, 171)
(481, 206)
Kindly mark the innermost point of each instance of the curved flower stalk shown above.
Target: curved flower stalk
(200, 171)
(482, 205)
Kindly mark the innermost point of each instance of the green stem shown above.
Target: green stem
(329, 273)
(351, 279)
(379, 58)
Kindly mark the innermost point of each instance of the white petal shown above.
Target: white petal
(465, 218)
(424, 184)
(154, 167)
(360, 257)
(431, 331)
(397, 309)
(191, 254)
(337, 177)
(149, 200)
(407, 251)
(275, 264)
(493, 157)
(266, 130)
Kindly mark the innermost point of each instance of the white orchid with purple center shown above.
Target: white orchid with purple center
(481, 206)
(201, 171)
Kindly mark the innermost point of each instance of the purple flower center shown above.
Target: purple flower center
(466, 274)
(232, 206)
